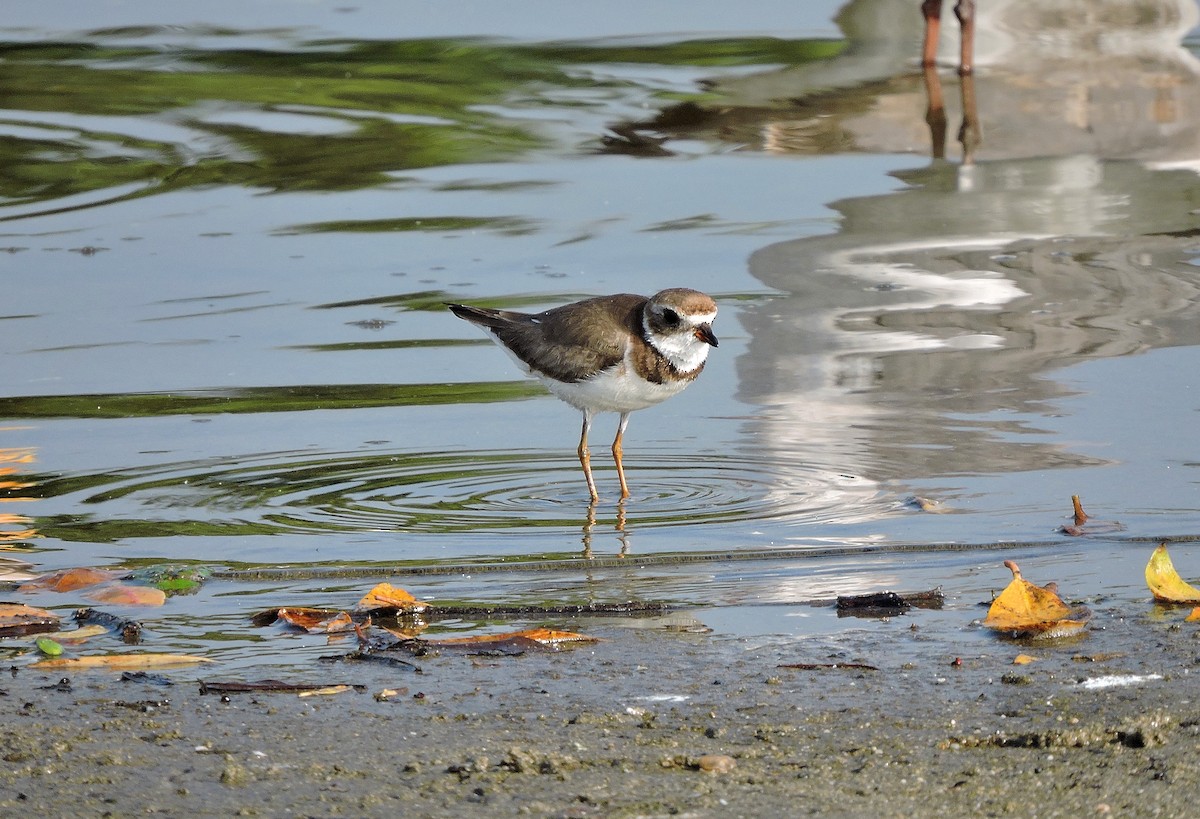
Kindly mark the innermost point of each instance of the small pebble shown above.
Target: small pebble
(716, 763)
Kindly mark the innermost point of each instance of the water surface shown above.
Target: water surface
(228, 242)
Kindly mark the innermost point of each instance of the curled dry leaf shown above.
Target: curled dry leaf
(387, 596)
(317, 621)
(1026, 610)
(1165, 583)
(1083, 525)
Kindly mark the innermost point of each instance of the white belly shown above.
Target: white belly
(615, 390)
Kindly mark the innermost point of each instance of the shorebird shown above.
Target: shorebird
(615, 353)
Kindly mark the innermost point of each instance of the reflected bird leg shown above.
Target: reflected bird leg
(964, 10)
(970, 134)
(585, 457)
(935, 112)
(616, 451)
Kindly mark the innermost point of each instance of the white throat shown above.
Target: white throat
(682, 348)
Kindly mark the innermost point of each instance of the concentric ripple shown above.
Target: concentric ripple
(435, 492)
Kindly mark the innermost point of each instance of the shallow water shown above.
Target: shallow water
(229, 241)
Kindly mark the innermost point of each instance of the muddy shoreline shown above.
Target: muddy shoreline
(618, 729)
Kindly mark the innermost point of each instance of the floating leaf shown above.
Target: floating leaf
(1026, 610)
(122, 595)
(317, 621)
(76, 636)
(1194, 616)
(1023, 659)
(17, 619)
(120, 661)
(1165, 583)
(49, 647)
(174, 579)
(71, 580)
(387, 596)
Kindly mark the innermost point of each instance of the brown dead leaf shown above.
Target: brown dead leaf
(387, 596)
(120, 594)
(317, 621)
(70, 580)
(121, 661)
(1165, 583)
(1084, 525)
(1026, 610)
(17, 619)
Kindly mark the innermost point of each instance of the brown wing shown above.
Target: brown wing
(569, 343)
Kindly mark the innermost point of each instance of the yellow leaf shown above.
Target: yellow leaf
(1165, 583)
(122, 661)
(1023, 659)
(1022, 604)
(387, 596)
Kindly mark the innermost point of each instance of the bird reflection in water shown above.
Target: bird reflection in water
(619, 526)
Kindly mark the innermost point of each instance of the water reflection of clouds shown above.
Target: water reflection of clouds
(920, 339)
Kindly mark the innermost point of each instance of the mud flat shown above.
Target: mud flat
(646, 723)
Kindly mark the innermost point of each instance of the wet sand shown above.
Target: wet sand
(619, 728)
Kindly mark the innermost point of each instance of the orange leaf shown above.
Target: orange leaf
(1028, 610)
(317, 621)
(70, 579)
(387, 596)
(121, 595)
(1165, 583)
(121, 661)
(1194, 616)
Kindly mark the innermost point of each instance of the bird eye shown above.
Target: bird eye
(670, 317)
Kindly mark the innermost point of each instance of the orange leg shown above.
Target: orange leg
(616, 451)
(932, 12)
(585, 457)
